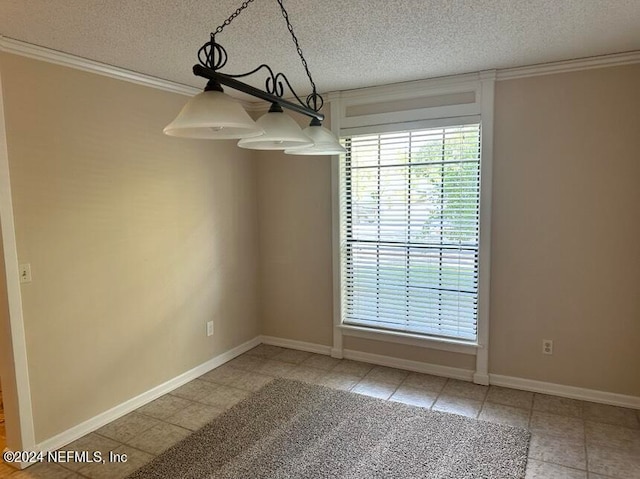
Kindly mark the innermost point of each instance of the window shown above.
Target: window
(409, 232)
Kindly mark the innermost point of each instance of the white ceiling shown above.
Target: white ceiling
(348, 43)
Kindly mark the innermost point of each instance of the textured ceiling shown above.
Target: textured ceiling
(348, 43)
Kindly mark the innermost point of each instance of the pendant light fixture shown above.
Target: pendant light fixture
(324, 142)
(215, 115)
(280, 132)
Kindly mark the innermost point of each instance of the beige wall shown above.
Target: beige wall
(294, 211)
(566, 229)
(135, 239)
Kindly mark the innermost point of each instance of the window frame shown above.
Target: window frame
(368, 120)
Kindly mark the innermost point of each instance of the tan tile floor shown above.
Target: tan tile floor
(570, 439)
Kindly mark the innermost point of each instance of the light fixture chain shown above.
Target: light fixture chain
(295, 41)
(244, 5)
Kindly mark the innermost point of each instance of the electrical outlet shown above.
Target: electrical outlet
(547, 346)
(210, 328)
(25, 272)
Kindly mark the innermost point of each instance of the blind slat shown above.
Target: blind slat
(410, 224)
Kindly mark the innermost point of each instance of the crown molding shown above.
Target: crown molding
(566, 66)
(18, 47)
(36, 52)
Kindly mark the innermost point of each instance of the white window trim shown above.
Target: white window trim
(483, 84)
(430, 342)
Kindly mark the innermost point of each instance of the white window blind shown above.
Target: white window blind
(410, 231)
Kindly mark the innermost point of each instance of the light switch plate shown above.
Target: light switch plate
(25, 272)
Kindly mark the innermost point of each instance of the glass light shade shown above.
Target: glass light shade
(213, 115)
(324, 143)
(280, 133)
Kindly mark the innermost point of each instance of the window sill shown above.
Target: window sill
(442, 344)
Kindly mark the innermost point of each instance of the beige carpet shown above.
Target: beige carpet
(290, 429)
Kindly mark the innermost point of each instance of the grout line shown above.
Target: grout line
(584, 427)
(444, 386)
(59, 464)
(397, 387)
(562, 465)
(482, 403)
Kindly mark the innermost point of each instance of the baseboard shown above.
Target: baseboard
(299, 345)
(483, 379)
(572, 392)
(132, 404)
(380, 360)
(417, 366)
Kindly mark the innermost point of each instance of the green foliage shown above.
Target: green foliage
(427, 191)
